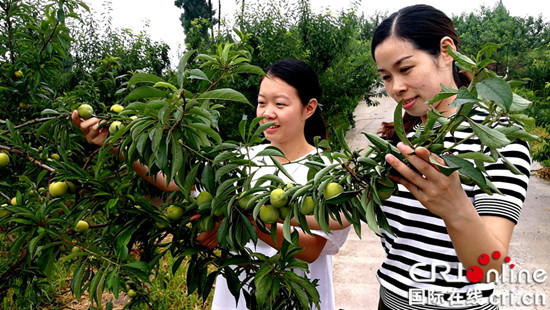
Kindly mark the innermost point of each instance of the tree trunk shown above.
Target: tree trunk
(219, 15)
(210, 17)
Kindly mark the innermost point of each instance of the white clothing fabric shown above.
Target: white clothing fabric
(320, 269)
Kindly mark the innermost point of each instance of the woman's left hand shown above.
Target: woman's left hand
(440, 194)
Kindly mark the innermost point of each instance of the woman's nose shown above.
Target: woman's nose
(398, 86)
(268, 113)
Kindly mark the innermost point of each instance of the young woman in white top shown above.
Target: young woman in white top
(288, 96)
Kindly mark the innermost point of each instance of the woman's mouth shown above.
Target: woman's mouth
(272, 128)
(408, 103)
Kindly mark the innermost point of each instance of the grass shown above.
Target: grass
(167, 292)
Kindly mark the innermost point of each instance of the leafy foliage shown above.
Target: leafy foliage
(197, 17)
(173, 124)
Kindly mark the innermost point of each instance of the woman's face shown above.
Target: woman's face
(279, 102)
(414, 76)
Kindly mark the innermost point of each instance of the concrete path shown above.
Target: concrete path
(355, 265)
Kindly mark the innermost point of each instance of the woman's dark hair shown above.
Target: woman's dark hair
(423, 26)
(301, 76)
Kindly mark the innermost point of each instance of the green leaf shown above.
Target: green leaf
(509, 165)
(380, 143)
(515, 132)
(94, 283)
(177, 157)
(76, 283)
(445, 169)
(488, 136)
(242, 128)
(224, 156)
(462, 60)
(248, 68)
(141, 265)
(156, 136)
(477, 156)
(370, 214)
(233, 281)
(225, 52)
(145, 92)
(190, 179)
(282, 168)
(143, 78)
(99, 289)
(398, 124)
(443, 94)
(182, 65)
(263, 282)
(271, 151)
(497, 90)
(286, 229)
(224, 94)
(198, 75)
(464, 96)
(262, 127)
(250, 228)
(207, 130)
(519, 103)
(466, 168)
(225, 170)
(269, 177)
(122, 242)
(165, 85)
(341, 198)
(321, 173)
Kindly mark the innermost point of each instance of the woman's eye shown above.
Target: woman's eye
(385, 77)
(280, 104)
(405, 69)
(260, 103)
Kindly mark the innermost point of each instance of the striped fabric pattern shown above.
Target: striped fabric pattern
(421, 237)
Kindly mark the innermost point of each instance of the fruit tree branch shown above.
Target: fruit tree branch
(31, 122)
(29, 158)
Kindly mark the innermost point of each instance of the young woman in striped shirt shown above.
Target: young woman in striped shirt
(436, 220)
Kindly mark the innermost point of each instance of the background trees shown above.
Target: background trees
(54, 56)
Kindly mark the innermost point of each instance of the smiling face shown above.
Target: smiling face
(279, 102)
(414, 76)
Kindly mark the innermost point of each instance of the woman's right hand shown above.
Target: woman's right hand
(90, 129)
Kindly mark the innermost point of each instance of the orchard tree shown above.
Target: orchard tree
(194, 10)
(519, 36)
(66, 201)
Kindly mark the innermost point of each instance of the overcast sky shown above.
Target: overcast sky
(164, 24)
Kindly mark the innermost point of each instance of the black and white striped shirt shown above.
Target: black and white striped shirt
(421, 237)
